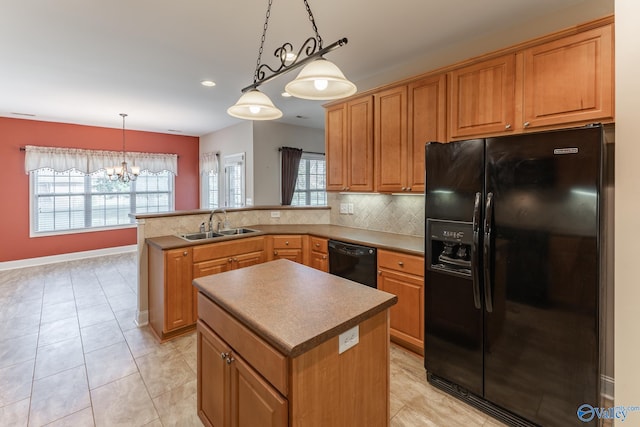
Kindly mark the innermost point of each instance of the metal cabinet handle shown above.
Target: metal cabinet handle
(275, 252)
(508, 126)
(229, 360)
(224, 355)
(401, 264)
(317, 245)
(526, 124)
(379, 272)
(230, 260)
(286, 243)
(408, 188)
(185, 253)
(324, 257)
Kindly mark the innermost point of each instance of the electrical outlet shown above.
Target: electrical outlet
(348, 339)
(350, 207)
(344, 208)
(275, 214)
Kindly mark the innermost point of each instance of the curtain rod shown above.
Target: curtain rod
(308, 152)
(177, 155)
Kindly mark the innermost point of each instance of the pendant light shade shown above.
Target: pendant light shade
(320, 80)
(254, 105)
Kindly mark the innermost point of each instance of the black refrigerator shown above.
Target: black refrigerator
(512, 273)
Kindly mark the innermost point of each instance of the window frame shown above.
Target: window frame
(87, 196)
(308, 157)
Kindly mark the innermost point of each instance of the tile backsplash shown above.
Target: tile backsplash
(402, 214)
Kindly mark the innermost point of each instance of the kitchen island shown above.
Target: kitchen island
(282, 344)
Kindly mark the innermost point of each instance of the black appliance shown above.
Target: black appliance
(353, 262)
(512, 285)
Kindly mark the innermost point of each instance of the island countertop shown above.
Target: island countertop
(291, 306)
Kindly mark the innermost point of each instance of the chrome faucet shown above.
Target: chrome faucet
(213, 212)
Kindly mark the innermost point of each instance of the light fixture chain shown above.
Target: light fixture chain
(264, 36)
(313, 24)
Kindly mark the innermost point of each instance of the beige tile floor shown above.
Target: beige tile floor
(71, 355)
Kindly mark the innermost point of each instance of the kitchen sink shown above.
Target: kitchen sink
(200, 235)
(233, 231)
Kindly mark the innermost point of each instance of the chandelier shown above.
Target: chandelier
(320, 79)
(121, 173)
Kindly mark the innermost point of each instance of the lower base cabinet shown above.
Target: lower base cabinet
(403, 275)
(245, 382)
(239, 397)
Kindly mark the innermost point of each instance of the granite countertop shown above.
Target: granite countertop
(378, 239)
(291, 306)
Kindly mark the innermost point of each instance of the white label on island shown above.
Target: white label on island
(348, 339)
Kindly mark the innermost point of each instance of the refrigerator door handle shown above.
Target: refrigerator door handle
(475, 253)
(488, 214)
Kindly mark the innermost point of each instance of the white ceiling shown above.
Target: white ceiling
(79, 61)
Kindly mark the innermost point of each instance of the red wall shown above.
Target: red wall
(15, 243)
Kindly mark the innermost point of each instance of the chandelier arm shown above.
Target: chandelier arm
(296, 64)
(264, 36)
(313, 23)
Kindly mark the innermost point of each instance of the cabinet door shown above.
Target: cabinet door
(214, 266)
(569, 80)
(336, 147)
(482, 98)
(290, 254)
(320, 261)
(360, 144)
(390, 138)
(214, 380)
(178, 304)
(407, 316)
(426, 123)
(246, 260)
(254, 402)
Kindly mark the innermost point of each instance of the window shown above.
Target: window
(73, 200)
(311, 183)
(234, 180)
(211, 190)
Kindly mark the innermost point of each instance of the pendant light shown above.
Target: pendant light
(320, 79)
(122, 173)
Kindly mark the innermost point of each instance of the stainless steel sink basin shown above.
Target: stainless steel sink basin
(200, 235)
(240, 230)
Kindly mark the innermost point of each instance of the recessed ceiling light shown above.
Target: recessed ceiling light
(208, 83)
(286, 94)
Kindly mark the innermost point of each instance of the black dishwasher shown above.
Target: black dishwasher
(353, 262)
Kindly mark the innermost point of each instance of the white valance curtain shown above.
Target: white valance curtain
(209, 162)
(90, 161)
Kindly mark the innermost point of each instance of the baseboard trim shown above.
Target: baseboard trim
(52, 259)
(142, 318)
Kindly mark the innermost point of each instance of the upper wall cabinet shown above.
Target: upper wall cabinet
(405, 119)
(564, 82)
(349, 145)
(482, 97)
(569, 80)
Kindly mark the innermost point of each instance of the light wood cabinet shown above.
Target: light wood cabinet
(287, 246)
(406, 118)
(319, 256)
(564, 82)
(349, 145)
(245, 381)
(390, 139)
(235, 394)
(171, 310)
(482, 98)
(403, 275)
(569, 80)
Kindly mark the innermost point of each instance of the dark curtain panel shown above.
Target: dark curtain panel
(290, 162)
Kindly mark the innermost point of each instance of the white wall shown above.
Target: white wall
(260, 141)
(268, 137)
(627, 209)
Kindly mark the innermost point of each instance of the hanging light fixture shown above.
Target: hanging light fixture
(122, 172)
(320, 79)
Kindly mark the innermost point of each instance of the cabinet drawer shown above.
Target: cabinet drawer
(265, 359)
(401, 262)
(227, 249)
(319, 245)
(287, 242)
